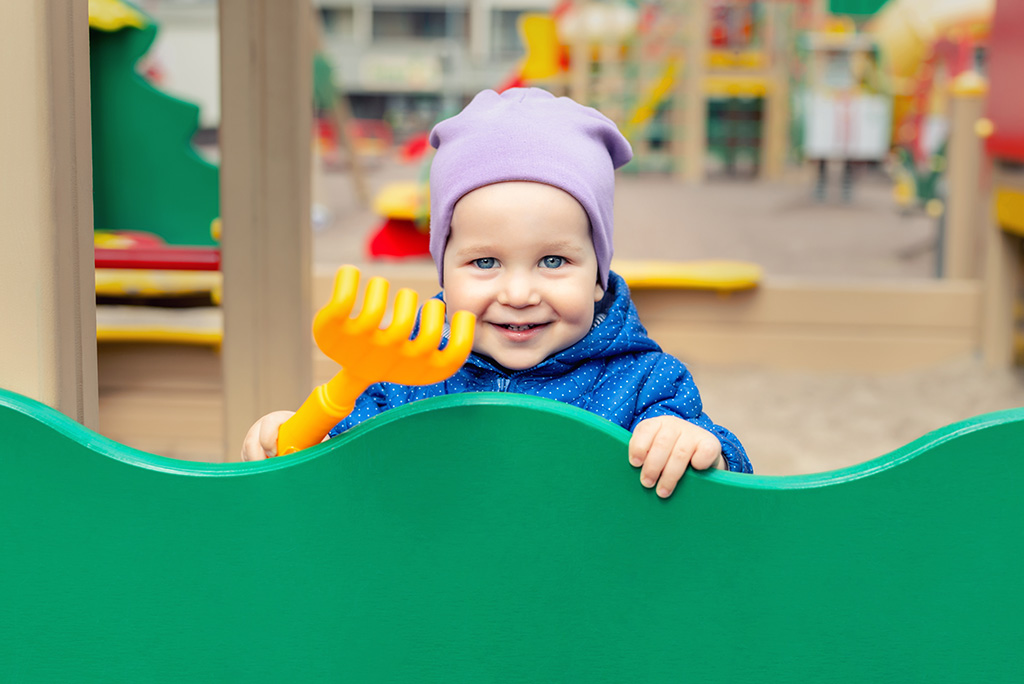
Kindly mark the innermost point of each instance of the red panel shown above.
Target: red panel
(1006, 71)
(160, 258)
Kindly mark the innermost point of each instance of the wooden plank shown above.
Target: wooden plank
(811, 350)
(266, 93)
(775, 122)
(183, 423)
(689, 106)
(1002, 277)
(866, 328)
(165, 399)
(47, 340)
(965, 230)
(200, 325)
(896, 303)
(158, 367)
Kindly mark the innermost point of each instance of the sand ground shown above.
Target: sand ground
(790, 422)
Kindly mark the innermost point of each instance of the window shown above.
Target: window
(337, 21)
(505, 40)
(419, 24)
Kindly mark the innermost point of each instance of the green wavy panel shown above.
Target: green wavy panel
(482, 538)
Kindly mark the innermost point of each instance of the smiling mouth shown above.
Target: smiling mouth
(519, 328)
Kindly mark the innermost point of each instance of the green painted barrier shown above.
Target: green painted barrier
(498, 538)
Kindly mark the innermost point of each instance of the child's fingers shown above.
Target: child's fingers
(658, 455)
(641, 440)
(261, 440)
(682, 455)
(707, 453)
(251, 449)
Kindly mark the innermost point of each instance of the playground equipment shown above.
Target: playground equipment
(980, 231)
(643, 67)
(405, 208)
(146, 175)
(492, 537)
(925, 47)
(847, 116)
(368, 353)
(1002, 264)
(156, 201)
(909, 32)
(679, 79)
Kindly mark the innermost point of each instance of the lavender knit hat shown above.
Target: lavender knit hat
(527, 134)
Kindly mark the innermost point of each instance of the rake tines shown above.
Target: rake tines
(368, 353)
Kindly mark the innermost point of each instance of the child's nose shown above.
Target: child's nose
(518, 291)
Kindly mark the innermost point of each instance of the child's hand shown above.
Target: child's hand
(665, 445)
(261, 440)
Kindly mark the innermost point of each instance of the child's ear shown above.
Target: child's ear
(598, 292)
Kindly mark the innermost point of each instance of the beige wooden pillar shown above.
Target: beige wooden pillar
(964, 227)
(48, 298)
(266, 124)
(775, 126)
(1001, 276)
(689, 111)
(579, 69)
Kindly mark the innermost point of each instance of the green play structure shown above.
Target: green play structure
(146, 174)
(502, 538)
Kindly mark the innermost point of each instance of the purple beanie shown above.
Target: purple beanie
(527, 134)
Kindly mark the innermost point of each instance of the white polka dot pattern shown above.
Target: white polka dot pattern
(616, 371)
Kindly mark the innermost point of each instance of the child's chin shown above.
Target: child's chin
(516, 362)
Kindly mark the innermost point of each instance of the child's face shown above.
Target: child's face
(519, 256)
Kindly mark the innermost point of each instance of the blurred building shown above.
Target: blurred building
(413, 61)
(408, 62)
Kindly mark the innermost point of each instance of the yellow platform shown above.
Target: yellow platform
(192, 325)
(1010, 210)
(130, 282)
(715, 275)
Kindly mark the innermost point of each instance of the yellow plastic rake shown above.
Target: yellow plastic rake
(368, 353)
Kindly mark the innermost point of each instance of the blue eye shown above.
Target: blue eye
(552, 262)
(485, 263)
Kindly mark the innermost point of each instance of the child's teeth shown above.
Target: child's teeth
(517, 328)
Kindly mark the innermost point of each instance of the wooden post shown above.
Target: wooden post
(775, 116)
(266, 124)
(1001, 277)
(611, 88)
(579, 70)
(689, 111)
(963, 234)
(48, 336)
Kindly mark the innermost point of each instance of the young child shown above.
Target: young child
(521, 193)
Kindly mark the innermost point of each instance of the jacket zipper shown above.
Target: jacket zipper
(503, 384)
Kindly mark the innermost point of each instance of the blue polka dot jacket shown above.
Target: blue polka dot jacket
(616, 371)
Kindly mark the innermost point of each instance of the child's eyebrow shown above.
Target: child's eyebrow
(474, 250)
(554, 247)
(561, 246)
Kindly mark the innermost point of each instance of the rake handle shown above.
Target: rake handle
(324, 408)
